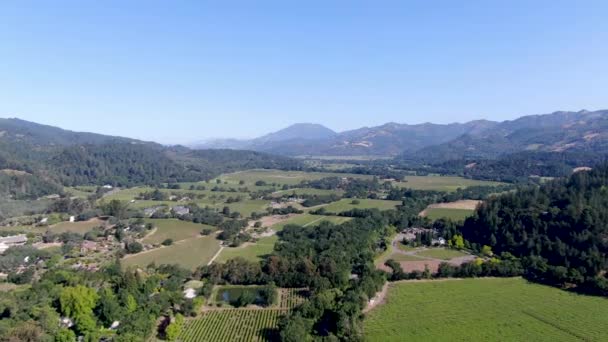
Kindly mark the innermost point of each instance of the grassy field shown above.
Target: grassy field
(441, 253)
(454, 214)
(281, 177)
(173, 229)
(345, 204)
(75, 227)
(440, 183)
(189, 254)
(492, 309)
(307, 191)
(265, 245)
(252, 252)
(308, 220)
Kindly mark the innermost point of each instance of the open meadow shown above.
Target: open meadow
(173, 229)
(440, 183)
(189, 253)
(453, 214)
(347, 204)
(282, 177)
(265, 245)
(488, 309)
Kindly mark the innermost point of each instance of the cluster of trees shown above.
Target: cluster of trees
(558, 230)
(93, 301)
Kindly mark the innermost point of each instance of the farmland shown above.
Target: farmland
(346, 204)
(245, 324)
(440, 183)
(506, 309)
(189, 253)
(234, 325)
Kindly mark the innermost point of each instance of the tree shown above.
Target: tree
(133, 247)
(78, 303)
(174, 329)
(115, 208)
(458, 242)
(65, 335)
(167, 242)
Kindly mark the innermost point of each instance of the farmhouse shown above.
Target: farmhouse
(13, 240)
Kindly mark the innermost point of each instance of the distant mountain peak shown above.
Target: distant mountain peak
(305, 131)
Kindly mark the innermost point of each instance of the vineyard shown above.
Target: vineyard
(243, 324)
(290, 298)
(234, 325)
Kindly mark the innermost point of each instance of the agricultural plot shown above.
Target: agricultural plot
(173, 229)
(234, 325)
(309, 220)
(440, 183)
(290, 298)
(346, 204)
(490, 309)
(189, 253)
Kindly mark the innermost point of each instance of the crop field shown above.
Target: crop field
(453, 214)
(173, 229)
(345, 204)
(289, 298)
(75, 227)
(440, 183)
(189, 253)
(282, 177)
(490, 309)
(234, 325)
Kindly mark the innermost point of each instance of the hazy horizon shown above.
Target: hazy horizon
(187, 71)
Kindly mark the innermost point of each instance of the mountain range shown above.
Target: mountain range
(555, 132)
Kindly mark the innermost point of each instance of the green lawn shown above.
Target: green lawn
(441, 253)
(345, 204)
(440, 183)
(454, 214)
(173, 229)
(189, 253)
(490, 309)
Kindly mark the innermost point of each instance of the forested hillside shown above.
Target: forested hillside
(560, 230)
(41, 159)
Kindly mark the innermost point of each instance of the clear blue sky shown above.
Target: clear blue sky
(178, 71)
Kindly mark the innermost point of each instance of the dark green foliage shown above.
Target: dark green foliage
(133, 247)
(558, 229)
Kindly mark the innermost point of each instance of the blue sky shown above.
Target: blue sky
(179, 71)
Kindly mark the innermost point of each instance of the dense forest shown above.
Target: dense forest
(560, 230)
